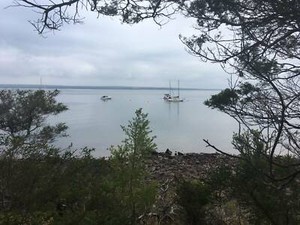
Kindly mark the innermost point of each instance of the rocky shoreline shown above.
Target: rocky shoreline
(167, 170)
(189, 166)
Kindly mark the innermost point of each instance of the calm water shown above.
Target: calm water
(178, 126)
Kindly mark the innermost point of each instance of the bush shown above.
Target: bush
(193, 197)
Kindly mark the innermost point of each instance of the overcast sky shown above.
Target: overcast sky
(100, 52)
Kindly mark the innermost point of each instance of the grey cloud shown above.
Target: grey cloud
(100, 52)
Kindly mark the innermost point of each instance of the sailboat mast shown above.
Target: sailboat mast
(178, 88)
(41, 83)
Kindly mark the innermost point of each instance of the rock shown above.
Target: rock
(168, 152)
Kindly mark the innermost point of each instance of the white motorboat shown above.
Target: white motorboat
(105, 97)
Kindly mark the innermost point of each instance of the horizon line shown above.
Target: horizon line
(51, 86)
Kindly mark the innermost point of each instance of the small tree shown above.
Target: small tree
(136, 194)
(23, 117)
(265, 179)
(267, 200)
(25, 138)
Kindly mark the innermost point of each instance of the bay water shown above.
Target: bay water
(177, 126)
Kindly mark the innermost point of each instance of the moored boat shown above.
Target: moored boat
(173, 98)
(105, 98)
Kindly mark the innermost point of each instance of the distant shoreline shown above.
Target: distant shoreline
(36, 86)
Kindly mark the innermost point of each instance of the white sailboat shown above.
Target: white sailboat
(173, 98)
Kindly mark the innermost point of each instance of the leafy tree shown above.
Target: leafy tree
(262, 199)
(25, 136)
(265, 181)
(135, 193)
(23, 122)
(261, 47)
